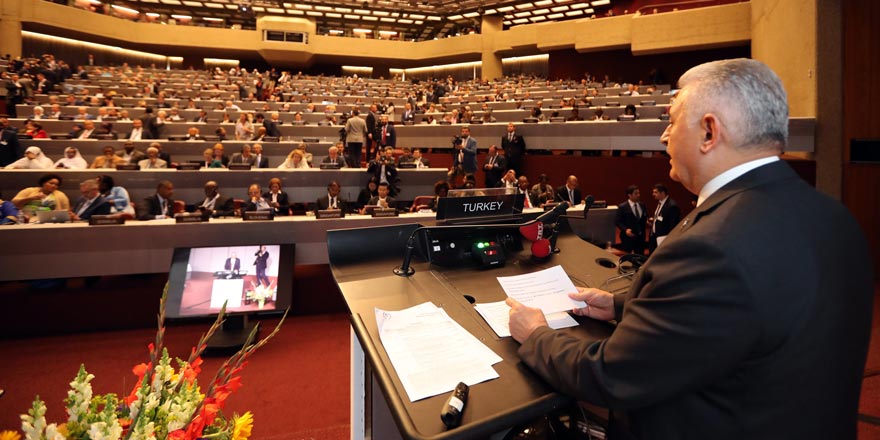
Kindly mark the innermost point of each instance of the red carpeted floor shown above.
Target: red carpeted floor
(297, 386)
(870, 401)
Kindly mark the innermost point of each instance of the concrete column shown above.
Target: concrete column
(10, 35)
(786, 36)
(491, 68)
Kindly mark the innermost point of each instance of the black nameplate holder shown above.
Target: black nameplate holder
(240, 166)
(385, 212)
(188, 166)
(329, 213)
(101, 220)
(190, 218)
(128, 167)
(257, 215)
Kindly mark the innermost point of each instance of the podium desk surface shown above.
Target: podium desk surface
(518, 395)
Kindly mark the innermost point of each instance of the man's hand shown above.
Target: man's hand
(600, 304)
(630, 233)
(524, 320)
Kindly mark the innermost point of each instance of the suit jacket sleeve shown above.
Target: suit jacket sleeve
(675, 334)
(225, 207)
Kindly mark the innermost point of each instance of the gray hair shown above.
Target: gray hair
(748, 92)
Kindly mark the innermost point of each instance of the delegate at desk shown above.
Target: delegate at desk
(752, 319)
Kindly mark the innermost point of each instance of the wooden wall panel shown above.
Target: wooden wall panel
(861, 89)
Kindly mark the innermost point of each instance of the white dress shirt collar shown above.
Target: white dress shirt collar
(728, 176)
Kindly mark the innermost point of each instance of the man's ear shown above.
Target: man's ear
(711, 131)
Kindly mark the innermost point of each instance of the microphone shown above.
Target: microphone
(588, 202)
(454, 406)
(552, 215)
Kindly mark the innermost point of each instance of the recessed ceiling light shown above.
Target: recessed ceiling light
(539, 18)
(124, 9)
(193, 4)
(214, 5)
(314, 14)
(405, 21)
(574, 13)
(435, 18)
(559, 8)
(505, 9)
(214, 19)
(555, 16)
(336, 32)
(521, 20)
(388, 20)
(471, 14)
(296, 12)
(333, 15)
(522, 14)
(170, 2)
(540, 11)
(543, 2)
(490, 12)
(302, 6)
(524, 6)
(362, 11)
(381, 13)
(361, 31)
(368, 18)
(454, 17)
(601, 2)
(417, 16)
(580, 6)
(152, 15)
(352, 17)
(323, 8)
(274, 10)
(181, 17)
(343, 10)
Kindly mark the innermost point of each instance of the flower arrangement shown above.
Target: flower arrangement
(165, 404)
(260, 293)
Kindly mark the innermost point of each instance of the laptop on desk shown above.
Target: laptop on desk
(53, 216)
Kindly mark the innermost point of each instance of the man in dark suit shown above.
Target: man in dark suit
(159, 205)
(333, 156)
(332, 200)
(522, 187)
(150, 124)
(382, 199)
(750, 321)
(386, 136)
(409, 115)
(270, 126)
(260, 160)
(630, 220)
(214, 204)
(570, 192)
(138, 131)
(514, 147)
(233, 263)
(495, 167)
(91, 202)
(261, 263)
(202, 117)
(245, 157)
(665, 217)
(371, 122)
(10, 149)
(464, 155)
(384, 170)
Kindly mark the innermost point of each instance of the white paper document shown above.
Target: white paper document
(431, 352)
(497, 315)
(546, 289)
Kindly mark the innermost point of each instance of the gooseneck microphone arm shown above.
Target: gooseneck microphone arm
(405, 270)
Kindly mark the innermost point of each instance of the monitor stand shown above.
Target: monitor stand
(232, 335)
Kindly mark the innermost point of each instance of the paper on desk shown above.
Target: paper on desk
(546, 289)
(431, 352)
(497, 315)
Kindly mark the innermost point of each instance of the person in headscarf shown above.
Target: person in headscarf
(72, 160)
(33, 159)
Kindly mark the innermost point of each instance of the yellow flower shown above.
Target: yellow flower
(9, 435)
(243, 426)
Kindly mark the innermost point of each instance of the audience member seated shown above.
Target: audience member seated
(333, 157)
(106, 131)
(441, 189)
(509, 180)
(260, 134)
(107, 160)
(208, 160)
(35, 130)
(220, 154)
(72, 160)
(90, 202)
(544, 190)
(244, 157)
(382, 199)
(530, 199)
(214, 204)
(368, 192)
(45, 197)
(159, 205)
(33, 159)
(260, 161)
(8, 213)
(277, 198)
(152, 161)
(332, 200)
(256, 201)
(574, 115)
(130, 155)
(192, 134)
(295, 160)
(599, 115)
(116, 195)
(88, 131)
(137, 131)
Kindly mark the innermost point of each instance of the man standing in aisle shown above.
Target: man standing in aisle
(355, 136)
(630, 221)
(751, 320)
(514, 147)
(665, 217)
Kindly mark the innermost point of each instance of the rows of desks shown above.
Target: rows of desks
(573, 135)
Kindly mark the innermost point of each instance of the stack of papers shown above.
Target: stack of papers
(546, 290)
(432, 353)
